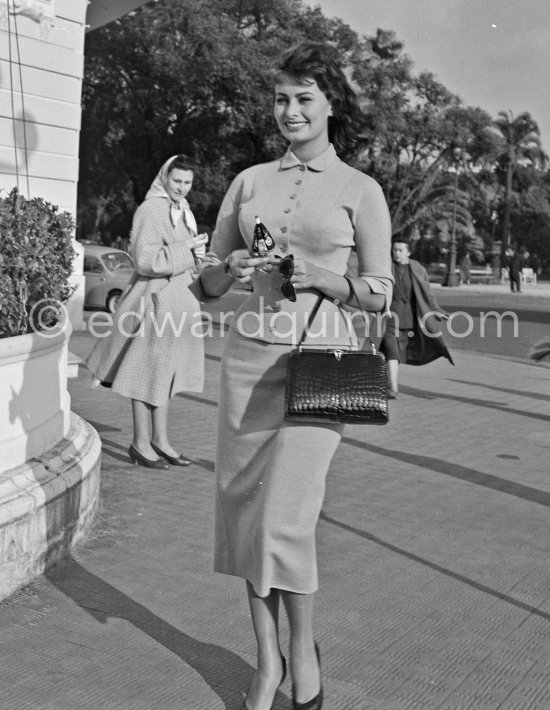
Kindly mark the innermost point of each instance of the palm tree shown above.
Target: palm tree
(518, 142)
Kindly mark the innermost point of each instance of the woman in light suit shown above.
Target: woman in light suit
(270, 472)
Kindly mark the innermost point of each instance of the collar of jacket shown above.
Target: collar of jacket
(317, 165)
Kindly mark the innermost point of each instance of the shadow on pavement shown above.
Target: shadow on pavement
(100, 428)
(219, 667)
(437, 568)
(115, 451)
(455, 470)
(521, 393)
(499, 406)
(200, 400)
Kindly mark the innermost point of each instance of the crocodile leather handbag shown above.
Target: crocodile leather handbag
(336, 385)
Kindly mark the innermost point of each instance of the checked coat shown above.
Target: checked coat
(155, 348)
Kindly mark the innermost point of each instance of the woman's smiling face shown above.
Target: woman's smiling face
(301, 111)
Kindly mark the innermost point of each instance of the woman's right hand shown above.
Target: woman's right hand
(198, 245)
(242, 265)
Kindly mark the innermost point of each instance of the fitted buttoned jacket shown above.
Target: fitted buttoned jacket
(319, 211)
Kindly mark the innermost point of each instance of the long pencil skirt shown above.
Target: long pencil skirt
(270, 473)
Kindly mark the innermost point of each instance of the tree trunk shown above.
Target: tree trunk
(506, 217)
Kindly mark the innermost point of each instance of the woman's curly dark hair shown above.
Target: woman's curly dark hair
(312, 60)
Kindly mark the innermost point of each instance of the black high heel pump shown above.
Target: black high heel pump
(136, 457)
(245, 706)
(315, 703)
(174, 460)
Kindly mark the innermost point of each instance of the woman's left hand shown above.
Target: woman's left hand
(306, 274)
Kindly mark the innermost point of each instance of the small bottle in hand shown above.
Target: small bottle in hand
(262, 244)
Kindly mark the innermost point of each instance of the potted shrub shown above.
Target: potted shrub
(36, 256)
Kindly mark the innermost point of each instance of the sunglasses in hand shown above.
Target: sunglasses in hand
(286, 269)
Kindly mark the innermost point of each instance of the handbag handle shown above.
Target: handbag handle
(311, 319)
(316, 308)
(356, 297)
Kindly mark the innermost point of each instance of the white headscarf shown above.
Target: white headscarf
(158, 189)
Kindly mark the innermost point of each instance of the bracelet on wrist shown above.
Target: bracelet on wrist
(227, 266)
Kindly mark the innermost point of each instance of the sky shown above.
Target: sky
(494, 54)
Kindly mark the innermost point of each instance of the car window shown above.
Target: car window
(118, 261)
(92, 265)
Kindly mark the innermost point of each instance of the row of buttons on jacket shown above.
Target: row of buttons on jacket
(285, 247)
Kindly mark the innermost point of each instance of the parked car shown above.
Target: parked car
(107, 272)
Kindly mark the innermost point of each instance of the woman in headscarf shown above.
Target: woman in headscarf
(153, 351)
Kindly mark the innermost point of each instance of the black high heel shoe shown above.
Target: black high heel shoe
(315, 703)
(174, 460)
(245, 706)
(136, 457)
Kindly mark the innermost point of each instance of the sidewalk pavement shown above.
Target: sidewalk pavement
(433, 549)
(540, 290)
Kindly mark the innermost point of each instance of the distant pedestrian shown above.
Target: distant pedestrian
(517, 262)
(138, 360)
(496, 268)
(412, 334)
(465, 264)
(536, 264)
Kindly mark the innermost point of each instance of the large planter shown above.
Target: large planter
(33, 390)
(49, 459)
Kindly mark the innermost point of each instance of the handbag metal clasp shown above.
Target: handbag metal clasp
(338, 354)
